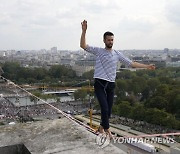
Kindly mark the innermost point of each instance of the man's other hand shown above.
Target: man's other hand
(151, 67)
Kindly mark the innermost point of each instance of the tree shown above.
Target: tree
(153, 84)
(157, 102)
(126, 74)
(88, 75)
(138, 112)
(115, 109)
(162, 90)
(145, 94)
(39, 73)
(61, 72)
(80, 94)
(158, 116)
(11, 69)
(124, 109)
(176, 106)
(170, 121)
(173, 98)
(121, 89)
(56, 71)
(30, 80)
(138, 85)
(165, 80)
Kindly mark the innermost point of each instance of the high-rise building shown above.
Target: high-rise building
(166, 50)
(54, 49)
(4, 54)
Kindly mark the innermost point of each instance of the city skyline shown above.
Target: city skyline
(138, 24)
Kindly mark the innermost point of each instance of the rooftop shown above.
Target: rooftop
(58, 136)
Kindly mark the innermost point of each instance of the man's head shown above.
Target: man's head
(108, 39)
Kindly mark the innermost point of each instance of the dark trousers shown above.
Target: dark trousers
(104, 91)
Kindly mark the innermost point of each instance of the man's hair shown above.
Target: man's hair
(107, 34)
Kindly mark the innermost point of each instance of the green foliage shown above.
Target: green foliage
(121, 88)
(156, 91)
(124, 109)
(157, 102)
(125, 75)
(15, 72)
(80, 94)
(158, 94)
(153, 83)
(138, 85)
(138, 112)
(60, 71)
(160, 117)
(1, 123)
(88, 75)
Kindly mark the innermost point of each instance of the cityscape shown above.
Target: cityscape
(82, 62)
(20, 105)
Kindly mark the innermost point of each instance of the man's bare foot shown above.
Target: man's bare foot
(109, 133)
(100, 129)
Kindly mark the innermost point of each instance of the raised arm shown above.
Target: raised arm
(139, 65)
(83, 35)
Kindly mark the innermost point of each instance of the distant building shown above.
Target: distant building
(158, 63)
(173, 64)
(54, 49)
(175, 59)
(166, 50)
(82, 66)
(67, 61)
(4, 54)
(139, 58)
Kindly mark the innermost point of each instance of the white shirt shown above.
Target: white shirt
(106, 62)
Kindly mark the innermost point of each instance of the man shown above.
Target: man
(105, 73)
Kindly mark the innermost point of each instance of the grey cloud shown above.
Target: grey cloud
(44, 21)
(95, 8)
(29, 14)
(172, 11)
(132, 25)
(4, 20)
(70, 14)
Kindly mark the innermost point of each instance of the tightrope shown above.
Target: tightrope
(59, 111)
(78, 122)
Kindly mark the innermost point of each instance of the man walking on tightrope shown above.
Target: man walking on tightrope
(105, 73)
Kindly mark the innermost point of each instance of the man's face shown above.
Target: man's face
(109, 41)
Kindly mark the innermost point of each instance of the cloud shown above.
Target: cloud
(46, 23)
(173, 11)
(135, 25)
(99, 7)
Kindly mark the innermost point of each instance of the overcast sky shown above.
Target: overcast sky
(42, 24)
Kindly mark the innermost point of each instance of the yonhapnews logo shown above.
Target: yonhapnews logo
(103, 140)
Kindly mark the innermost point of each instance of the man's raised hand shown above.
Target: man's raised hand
(84, 25)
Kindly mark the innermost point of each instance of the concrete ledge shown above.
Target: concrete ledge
(54, 136)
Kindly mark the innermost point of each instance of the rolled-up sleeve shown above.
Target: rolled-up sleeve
(125, 60)
(93, 50)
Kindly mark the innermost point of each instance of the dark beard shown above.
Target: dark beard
(109, 46)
